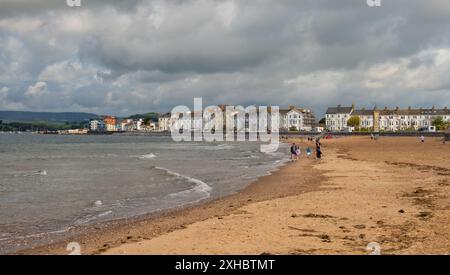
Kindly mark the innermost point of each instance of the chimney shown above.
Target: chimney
(385, 108)
(445, 108)
(353, 106)
(339, 106)
(409, 108)
(433, 108)
(291, 107)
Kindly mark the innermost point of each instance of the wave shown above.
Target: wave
(37, 235)
(246, 157)
(31, 174)
(148, 156)
(199, 187)
(92, 218)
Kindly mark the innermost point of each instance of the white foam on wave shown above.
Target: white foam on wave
(38, 235)
(148, 156)
(92, 218)
(200, 186)
(31, 174)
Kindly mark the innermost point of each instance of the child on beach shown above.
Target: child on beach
(308, 152)
(298, 152)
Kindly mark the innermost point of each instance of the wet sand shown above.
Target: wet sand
(394, 191)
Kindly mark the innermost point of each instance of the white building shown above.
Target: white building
(300, 119)
(164, 122)
(389, 119)
(126, 125)
(336, 118)
(97, 125)
(138, 125)
(365, 118)
(411, 119)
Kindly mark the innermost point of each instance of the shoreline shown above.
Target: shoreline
(97, 238)
(391, 192)
(389, 196)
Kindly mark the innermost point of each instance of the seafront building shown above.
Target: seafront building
(337, 117)
(113, 124)
(297, 119)
(97, 125)
(384, 119)
(164, 122)
(292, 118)
(110, 123)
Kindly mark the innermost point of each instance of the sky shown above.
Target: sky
(127, 57)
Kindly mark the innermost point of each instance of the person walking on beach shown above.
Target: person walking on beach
(308, 151)
(422, 139)
(293, 153)
(298, 152)
(319, 153)
(318, 150)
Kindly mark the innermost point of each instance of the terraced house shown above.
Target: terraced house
(411, 119)
(290, 118)
(297, 118)
(336, 118)
(387, 119)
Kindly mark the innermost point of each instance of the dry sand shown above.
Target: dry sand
(394, 191)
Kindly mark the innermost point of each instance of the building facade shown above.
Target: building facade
(97, 125)
(164, 122)
(297, 118)
(293, 117)
(410, 119)
(336, 118)
(110, 123)
(391, 120)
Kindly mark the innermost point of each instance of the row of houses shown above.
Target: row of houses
(113, 124)
(336, 118)
(291, 118)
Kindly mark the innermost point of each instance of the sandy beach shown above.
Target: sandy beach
(394, 192)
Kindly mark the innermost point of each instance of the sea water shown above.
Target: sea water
(50, 184)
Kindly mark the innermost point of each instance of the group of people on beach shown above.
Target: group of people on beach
(296, 151)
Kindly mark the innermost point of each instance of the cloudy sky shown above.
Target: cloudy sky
(125, 57)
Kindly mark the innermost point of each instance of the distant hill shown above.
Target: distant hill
(14, 116)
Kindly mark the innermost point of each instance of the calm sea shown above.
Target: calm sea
(49, 184)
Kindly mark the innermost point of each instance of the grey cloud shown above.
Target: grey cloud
(36, 7)
(151, 55)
